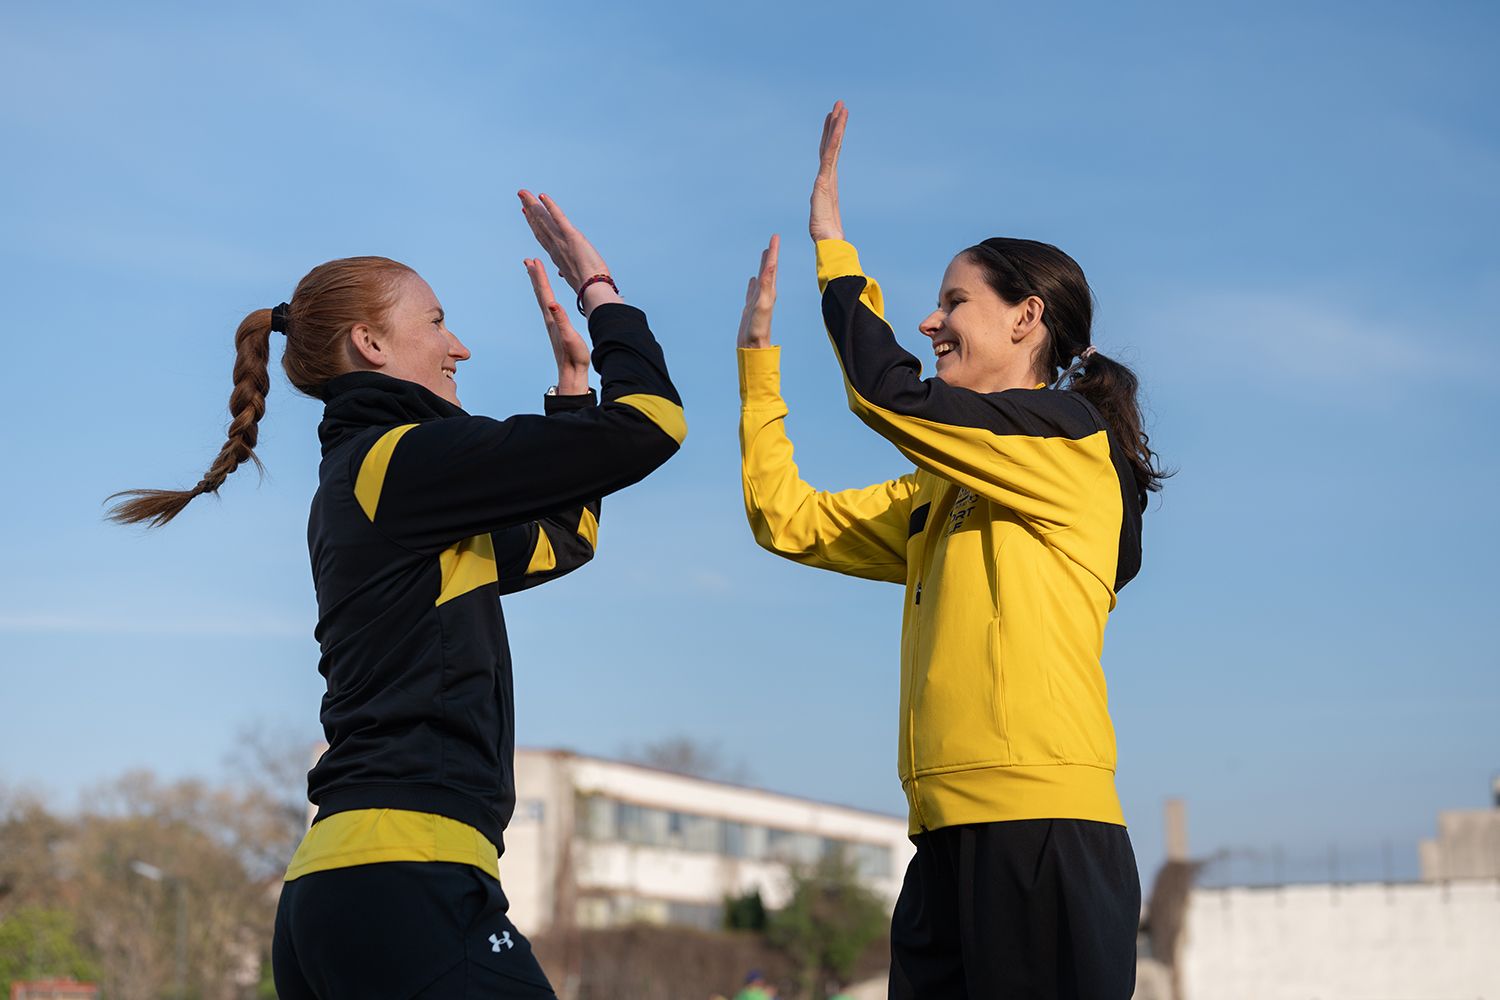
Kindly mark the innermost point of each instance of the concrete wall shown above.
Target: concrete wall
(1414, 941)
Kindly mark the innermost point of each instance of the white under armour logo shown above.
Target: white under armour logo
(504, 938)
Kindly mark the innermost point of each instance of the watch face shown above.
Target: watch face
(552, 391)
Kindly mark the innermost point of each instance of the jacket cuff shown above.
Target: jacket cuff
(836, 259)
(615, 318)
(562, 404)
(760, 375)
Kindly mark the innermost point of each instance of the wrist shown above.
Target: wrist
(572, 381)
(596, 290)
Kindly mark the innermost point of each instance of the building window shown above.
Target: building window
(734, 839)
(598, 819)
(601, 818)
(700, 833)
(757, 842)
(871, 860)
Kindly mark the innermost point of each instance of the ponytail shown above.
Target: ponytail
(1017, 269)
(247, 404)
(1112, 387)
(328, 302)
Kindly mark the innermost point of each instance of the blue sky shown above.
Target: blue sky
(1287, 212)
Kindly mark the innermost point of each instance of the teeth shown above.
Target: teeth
(942, 349)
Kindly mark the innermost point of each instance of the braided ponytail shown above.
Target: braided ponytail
(247, 404)
(328, 302)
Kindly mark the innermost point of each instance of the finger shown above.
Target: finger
(535, 213)
(833, 132)
(772, 253)
(542, 224)
(548, 219)
(750, 291)
(840, 116)
(555, 213)
(542, 287)
(562, 325)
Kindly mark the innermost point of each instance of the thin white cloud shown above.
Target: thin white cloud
(1292, 338)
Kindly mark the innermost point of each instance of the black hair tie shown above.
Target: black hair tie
(280, 315)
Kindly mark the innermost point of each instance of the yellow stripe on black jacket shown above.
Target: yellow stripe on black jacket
(1012, 536)
(424, 517)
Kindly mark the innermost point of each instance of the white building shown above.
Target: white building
(598, 842)
(1438, 939)
(1467, 844)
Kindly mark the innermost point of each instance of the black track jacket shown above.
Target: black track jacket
(424, 516)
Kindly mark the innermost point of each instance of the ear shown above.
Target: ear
(364, 349)
(1027, 319)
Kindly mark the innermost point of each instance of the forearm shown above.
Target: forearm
(858, 532)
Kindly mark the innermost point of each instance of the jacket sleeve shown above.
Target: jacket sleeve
(1043, 454)
(430, 485)
(858, 532)
(527, 555)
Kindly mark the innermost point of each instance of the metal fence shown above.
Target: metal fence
(1385, 861)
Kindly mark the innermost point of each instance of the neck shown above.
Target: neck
(1017, 376)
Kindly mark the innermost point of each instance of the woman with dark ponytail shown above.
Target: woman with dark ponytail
(424, 516)
(1012, 537)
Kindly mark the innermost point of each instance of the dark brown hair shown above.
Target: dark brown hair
(1017, 269)
(326, 305)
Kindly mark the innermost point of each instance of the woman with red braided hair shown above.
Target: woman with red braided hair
(423, 517)
(1012, 537)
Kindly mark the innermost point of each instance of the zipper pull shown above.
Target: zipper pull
(919, 592)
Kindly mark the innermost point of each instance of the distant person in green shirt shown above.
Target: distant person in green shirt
(754, 988)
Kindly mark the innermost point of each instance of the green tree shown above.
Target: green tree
(40, 943)
(745, 913)
(828, 923)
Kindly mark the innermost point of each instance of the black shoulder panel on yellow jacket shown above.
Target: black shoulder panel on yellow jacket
(882, 376)
(885, 374)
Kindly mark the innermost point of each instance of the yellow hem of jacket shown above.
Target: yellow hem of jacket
(374, 836)
(998, 794)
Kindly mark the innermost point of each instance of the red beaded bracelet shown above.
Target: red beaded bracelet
(594, 280)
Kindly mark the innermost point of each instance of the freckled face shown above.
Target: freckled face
(419, 346)
(970, 330)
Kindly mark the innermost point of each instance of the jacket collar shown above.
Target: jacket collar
(356, 401)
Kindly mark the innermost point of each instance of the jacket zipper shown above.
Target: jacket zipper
(911, 707)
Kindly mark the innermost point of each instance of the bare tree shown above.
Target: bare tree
(686, 755)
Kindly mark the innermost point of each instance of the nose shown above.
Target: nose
(932, 324)
(457, 350)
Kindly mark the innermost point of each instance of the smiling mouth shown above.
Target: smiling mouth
(944, 349)
(450, 374)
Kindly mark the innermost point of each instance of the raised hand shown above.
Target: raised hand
(573, 255)
(760, 299)
(568, 347)
(823, 221)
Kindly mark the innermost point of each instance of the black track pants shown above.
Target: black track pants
(400, 930)
(1024, 910)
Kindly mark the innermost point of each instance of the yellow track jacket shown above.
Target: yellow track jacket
(1012, 536)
